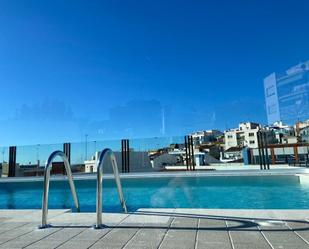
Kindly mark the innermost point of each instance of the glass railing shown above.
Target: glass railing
(4, 169)
(29, 160)
(156, 154)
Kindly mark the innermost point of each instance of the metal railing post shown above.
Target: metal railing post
(259, 149)
(100, 164)
(186, 147)
(12, 161)
(47, 170)
(266, 149)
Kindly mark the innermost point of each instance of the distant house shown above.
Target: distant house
(4, 169)
(139, 162)
(304, 134)
(289, 139)
(205, 137)
(234, 153)
(281, 131)
(164, 160)
(245, 136)
(211, 149)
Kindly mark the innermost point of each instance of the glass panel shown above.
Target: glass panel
(30, 159)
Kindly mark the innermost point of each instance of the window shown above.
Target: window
(252, 142)
(251, 134)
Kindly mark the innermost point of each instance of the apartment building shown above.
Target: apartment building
(243, 136)
(205, 137)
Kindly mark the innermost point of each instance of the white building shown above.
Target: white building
(299, 126)
(205, 137)
(304, 134)
(243, 136)
(283, 133)
(139, 162)
(90, 165)
(232, 154)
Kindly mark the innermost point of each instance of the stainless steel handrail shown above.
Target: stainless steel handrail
(100, 164)
(47, 170)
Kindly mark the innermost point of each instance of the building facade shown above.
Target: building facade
(139, 162)
(243, 136)
(304, 134)
(287, 95)
(282, 133)
(205, 137)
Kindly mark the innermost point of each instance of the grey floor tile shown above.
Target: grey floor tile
(12, 245)
(32, 237)
(213, 236)
(251, 246)
(304, 235)
(7, 226)
(92, 234)
(212, 224)
(185, 222)
(301, 228)
(58, 238)
(117, 237)
(215, 245)
(284, 238)
(252, 237)
(65, 234)
(46, 244)
(80, 244)
(179, 239)
(14, 234)
(146, 238)
(290, 246)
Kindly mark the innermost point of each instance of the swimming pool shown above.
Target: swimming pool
(229, 192)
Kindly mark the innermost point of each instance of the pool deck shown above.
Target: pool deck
(158, 228)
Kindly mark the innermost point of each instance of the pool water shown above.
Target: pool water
(230, 192)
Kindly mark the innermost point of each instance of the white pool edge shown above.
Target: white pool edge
(225, 173)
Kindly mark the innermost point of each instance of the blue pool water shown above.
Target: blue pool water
(246, 192)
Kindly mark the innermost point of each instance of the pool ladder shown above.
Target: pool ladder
(100, 164)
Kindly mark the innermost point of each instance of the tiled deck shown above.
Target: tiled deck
(158, 228)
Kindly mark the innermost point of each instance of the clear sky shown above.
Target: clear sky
(114, 69)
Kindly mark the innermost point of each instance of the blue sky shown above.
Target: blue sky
(113, 69)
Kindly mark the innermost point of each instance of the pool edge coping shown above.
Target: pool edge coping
(226, 173)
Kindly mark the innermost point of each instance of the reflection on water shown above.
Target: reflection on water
(10, 200)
